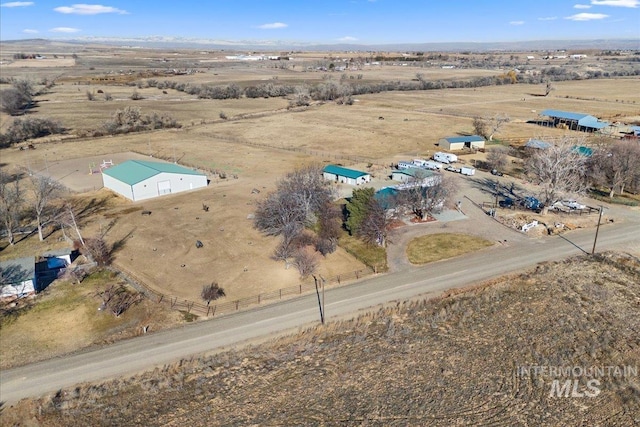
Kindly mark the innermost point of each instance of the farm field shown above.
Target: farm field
(464, 359)
(259, 142)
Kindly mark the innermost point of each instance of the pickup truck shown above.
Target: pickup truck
(572, 204)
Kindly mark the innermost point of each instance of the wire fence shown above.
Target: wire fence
(219, 308)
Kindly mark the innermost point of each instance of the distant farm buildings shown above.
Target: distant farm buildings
(574, 121)
(140, 180)
(455, 143)
(344, 175)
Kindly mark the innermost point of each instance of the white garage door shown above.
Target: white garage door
(164, 187)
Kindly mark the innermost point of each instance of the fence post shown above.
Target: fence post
(237, 304)
(280, 293)
(300, 287)
(208, 309)
(258, 298)
(357, 277)
(338, 279)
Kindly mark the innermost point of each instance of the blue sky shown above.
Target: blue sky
(327, 21)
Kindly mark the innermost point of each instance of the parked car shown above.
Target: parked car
(506, 203)
(532, 203)
(572, 204)
(452, 169)
(496, 172)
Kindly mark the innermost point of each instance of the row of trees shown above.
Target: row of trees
(332, 90)
(562, 170)
(302, 213)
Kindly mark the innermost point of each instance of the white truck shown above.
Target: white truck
(445, 157)
(466, 170)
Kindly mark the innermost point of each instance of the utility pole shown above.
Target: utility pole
(593, 250)
(320, 301)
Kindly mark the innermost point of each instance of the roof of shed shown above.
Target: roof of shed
(470, 138)
(134, 171)
(18, 270)
(339, 170)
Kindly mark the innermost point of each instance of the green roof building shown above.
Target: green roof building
(345, 176)
(140, 179)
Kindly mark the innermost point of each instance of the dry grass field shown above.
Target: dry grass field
(456, 360)
(259, 142)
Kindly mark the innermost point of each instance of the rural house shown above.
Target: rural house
(454, 143)
(345, 176)
(140, 180)
(17, 278)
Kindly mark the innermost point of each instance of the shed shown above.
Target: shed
(454, 143)
(18, 278)
(574, 121)
(140, 180)
(416, 176)
(345, 175)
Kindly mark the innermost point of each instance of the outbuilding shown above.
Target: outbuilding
(416, 176)
(139, 180)
(454, 143)
(18, 278)
(344, 175)
(574, 121)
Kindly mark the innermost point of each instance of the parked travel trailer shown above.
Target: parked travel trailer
(430, 164)
(466, 170)
(445, 157)
(406, 164)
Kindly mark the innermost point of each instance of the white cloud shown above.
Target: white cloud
(347, 39)
(89, 9)
(548, 18)
(272, 26)
(582, 6)
(516, 23)
(586, 16)
(64, 30)
(30, 31)
(616, 3)
(17, 4)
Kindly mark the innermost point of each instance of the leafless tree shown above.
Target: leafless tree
(423, 200)
(497, 157)
(559, 170)
(11, 202)
(306, 261)
(118, 299)
(548, 88)
(212, 292)
(12, 101)
(295, 203)
(98, 249)
(44, 191)
(496, 124)
(617, 166)
(480, 126)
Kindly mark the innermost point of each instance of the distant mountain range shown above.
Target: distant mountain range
(165, 42)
